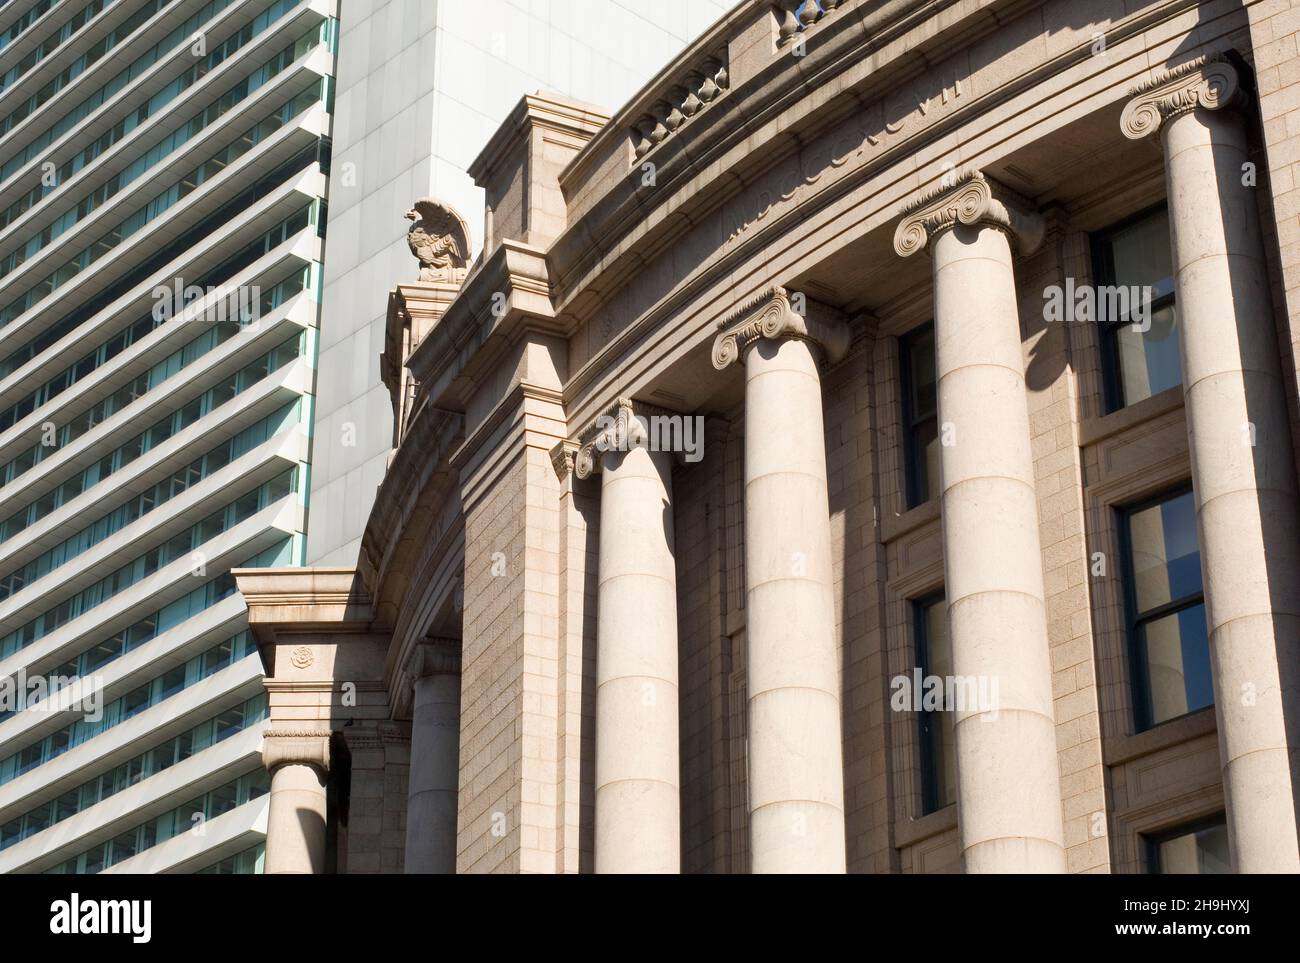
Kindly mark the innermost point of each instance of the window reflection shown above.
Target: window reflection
(1166, 611)
(1202, 850)
(920, 416)
(1140, 333)
(938, 739)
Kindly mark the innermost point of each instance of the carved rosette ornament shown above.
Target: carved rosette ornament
(971, 198)
(1210, 82)
(772, 315)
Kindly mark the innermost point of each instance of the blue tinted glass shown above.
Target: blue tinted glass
(1177, 664)
(1166, 557)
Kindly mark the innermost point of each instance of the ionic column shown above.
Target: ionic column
(796, 768)
(638, 807)
(299, 762)
(1243, 475)
(435, 758)
(1008, 782)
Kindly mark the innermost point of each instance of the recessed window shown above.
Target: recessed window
(920, 416)
(1199, 849)
(1166, 609)
(938, 742)
(1135, 306)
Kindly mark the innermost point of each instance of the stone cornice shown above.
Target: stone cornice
(296, 745)
(298, 598)
(508, 295)
(970, 198)
(419, 471)
(614, 230)
(898, 39)
(547, 111)
(509, 409)
(337, 587)
(417, 306)
(770, 314)
(1209, 81)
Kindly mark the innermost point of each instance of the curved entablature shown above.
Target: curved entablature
(843, 57)
(416, 498)
(847, 129)
(838, 100)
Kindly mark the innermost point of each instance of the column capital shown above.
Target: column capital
(1209, 81)
(435, 656)
(617, 429)
(296, 745)
(971, 197)
(564, 458)
(771, 314)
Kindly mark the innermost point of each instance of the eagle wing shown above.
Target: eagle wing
(441, 220)
(422, 244)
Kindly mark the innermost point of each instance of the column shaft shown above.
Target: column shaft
(434, 775)
(1243, 479)
(295, 827)
(638, 808)
(1008, 782)
(796, 766)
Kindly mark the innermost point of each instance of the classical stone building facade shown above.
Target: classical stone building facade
(871, 449)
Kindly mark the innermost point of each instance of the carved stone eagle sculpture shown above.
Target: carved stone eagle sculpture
(439, 240)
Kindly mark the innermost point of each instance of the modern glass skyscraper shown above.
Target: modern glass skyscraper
(163, 169)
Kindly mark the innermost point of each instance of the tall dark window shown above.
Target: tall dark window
(1130, 258)
(1166, 609)
(938, 744)
(920, 416)
(1201, 848)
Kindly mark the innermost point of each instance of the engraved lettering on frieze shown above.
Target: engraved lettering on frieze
(869, 136)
